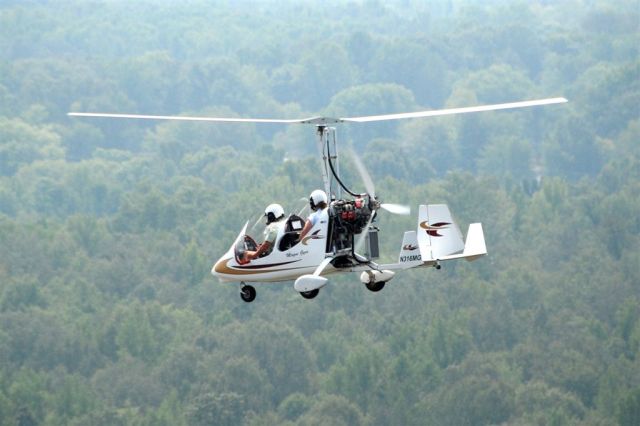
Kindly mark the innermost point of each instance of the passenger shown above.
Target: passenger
(274, 214)
(318, 203)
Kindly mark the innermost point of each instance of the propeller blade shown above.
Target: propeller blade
(396, 208)
(364, 174)
(360, 241)
(371, 190)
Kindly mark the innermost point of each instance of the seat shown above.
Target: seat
(294, 223)
(292, 228)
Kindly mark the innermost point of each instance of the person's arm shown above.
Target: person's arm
(250, 255)
(265, 246)
(269, 241)
(307, 227)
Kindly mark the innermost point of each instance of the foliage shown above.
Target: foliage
(108, 228)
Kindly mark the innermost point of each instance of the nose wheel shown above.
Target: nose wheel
(247, 293)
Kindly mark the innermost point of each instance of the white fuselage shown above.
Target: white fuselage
(279, 265)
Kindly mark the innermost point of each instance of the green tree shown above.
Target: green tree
(225, 409)
(333, 410)
(24, 143)
(628, 412)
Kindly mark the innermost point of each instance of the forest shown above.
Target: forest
(109, 228)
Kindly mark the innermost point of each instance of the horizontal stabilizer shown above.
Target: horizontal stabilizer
(474, 246)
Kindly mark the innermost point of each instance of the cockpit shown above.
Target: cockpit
(290, 237)
(287, 238)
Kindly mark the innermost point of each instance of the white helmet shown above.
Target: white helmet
(318, 196)
(273, 212)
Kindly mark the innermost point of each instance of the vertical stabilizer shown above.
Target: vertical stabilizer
(437, 234)
(475, 246)
(409, 250)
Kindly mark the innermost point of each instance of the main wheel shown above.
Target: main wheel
(375, 286)
(248, 293)
(310, 294)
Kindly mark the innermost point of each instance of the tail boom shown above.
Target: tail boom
(438, 238)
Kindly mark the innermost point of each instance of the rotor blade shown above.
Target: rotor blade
(326, 120)
(311, 120)
(396, 208)
(437, 112)
(364, 174)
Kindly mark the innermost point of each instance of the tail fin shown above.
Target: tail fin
(438, 235)
(475, 246)
(409, 251)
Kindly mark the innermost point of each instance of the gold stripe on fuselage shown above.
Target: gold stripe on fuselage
(224, 268)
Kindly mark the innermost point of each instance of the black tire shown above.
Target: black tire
(310, 294)
(375, 286)
(248, 293)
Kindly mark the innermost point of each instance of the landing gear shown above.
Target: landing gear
(310, 294)
(437, 266)
(375, 286)
(375, 280)
(247, 293)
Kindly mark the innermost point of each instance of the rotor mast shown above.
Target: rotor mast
(328, 150)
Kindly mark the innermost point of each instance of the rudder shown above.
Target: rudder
(437, 234)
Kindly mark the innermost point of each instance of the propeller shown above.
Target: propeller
(363, 235)
(371, 190)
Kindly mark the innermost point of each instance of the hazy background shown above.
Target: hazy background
(108, 229)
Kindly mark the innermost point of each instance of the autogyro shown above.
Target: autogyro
(343, 240)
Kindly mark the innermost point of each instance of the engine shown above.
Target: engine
(349, 218)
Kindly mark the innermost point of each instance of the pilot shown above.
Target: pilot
(274, 214)
(318, 203)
